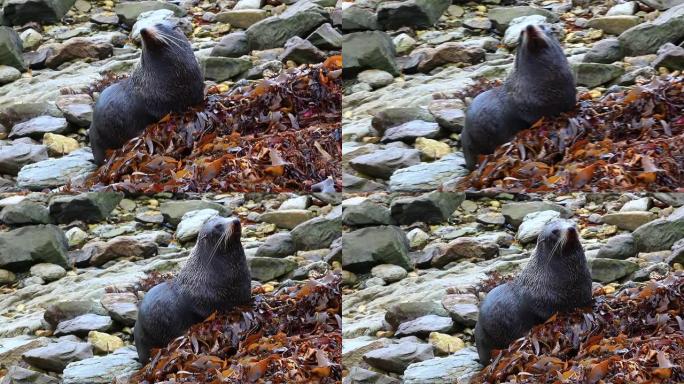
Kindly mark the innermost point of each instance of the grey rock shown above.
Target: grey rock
(627, 8)
(457, 368)
(90, 207)
(609, 270)
(376, 78)
(18, 375)
(13, 157)
(382, 163)
(241, 18)
(660, 234)
(56, 172)
(27, 245)
(465, 247)
(232, 45)
(403, 312)
(102, 370)
(326, 37)
(38, 126)
(618, 247)
(449, 114)
(77, 109)
(629, 220)
(79, 48)
(56, 356)
(595, 74)
(431, 208)
(60, 311)
(286, 218)
(393, 116)
(642, 204)
(368, 50)
(532, 225)
(279, 244)
(448, 53)
(299, 19)
(356, 17)
(410, 131)
(191, 223)
(428, 176)
(502, 16)
(354, 184)
(301, 51)
(121, 307)
(424, 325)
(395, 358)
(613, 25)
(462, 307)
(319, 232)
(7, 277)
(662, 5)
(26, 212)
(219, 68)
(388, 272)
(11, 348)
(605, 51)
(410, 13)
(515, 212)
(81, 325)
(677, 255)
(97, 253)
(648, 37)
(173, 210)
(670, 56)
(48, 272)
(8, 74)
(517, 25)
(128, 11)
(268, 268)
(358, 375)
(365, 212)
(18, 12)
(11, 48)
(370, 246)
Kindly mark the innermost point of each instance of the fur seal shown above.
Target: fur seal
(215, 278)
(541, 84)
(167, 79)
(555, 279)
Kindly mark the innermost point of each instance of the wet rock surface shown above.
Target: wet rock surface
(414, 323)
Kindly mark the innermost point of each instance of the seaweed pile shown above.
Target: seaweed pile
(633, 336)
(292, 335)
(626, 140)
(278, 134)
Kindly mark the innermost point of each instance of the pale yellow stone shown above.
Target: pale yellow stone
(267, 287)
(104, 342)
(432, 149)
(58, 144)
(445, 344)
(153, 203)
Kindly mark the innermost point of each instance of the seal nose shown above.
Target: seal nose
(233, 227)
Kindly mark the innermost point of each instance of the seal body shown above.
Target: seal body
(556, 279)
(167, 79)
(541, 84)
(215, 278)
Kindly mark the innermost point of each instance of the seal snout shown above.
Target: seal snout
(534, 37)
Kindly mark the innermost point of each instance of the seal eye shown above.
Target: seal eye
(556, 232)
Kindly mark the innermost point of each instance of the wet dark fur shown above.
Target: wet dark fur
(541, 84)
(551, 282)
(215, 278)
(167, 79)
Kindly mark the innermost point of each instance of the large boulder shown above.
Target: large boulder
(19, 12)
(371, 246)
(369, 49)
(28, 245)
(431, 208)
(299, 19)
(11, 49)
(648, 37)
(90, 207)
(411, 13)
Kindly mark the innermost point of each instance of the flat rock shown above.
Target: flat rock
(269, 268)
(618, 247)
(26, 212)
(77, 109)
(286, 218)
(388, 272)
(81, 325)
(609, 270)
(648, 37)
(232, 45)
(319, 232)
(614, 25)
(428, 176)
(301, 51)
(384, 162)
(431, 208)
(102, 370)
(456, 368)
(278, 244)
(502, 16)
(410, 13)
(462, 307)
(191, 223)
(595, 74)
(532, 225)
(241, 18)
(18, 375)
(52, 173)
(129, 11)
(56, 356)
(424, 325)
(121, 307)
(365, 212)
(299, 19)
(605, 51)
(515, 212)
(326, 37)
(48, 272)
(219, 68)
(629, 220)
(38, 126)
(395, 358)
(410, 131)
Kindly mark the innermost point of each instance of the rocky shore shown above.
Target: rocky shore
(416, 267)
(72, 267)
(408, 65)
(53, 52)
